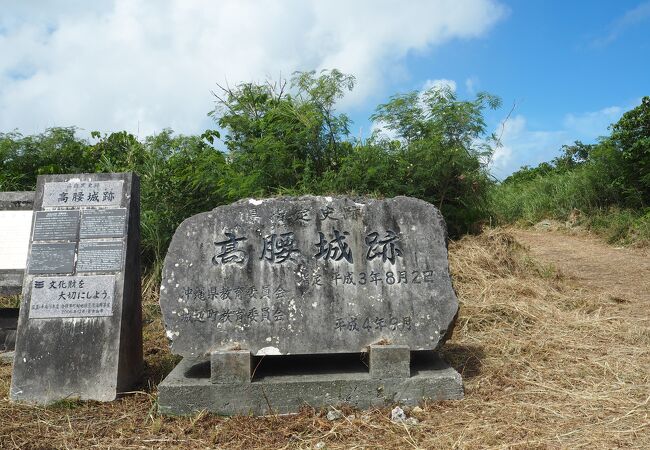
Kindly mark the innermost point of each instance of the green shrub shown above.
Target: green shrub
(550, 196)
(284, 138)
(621, 226)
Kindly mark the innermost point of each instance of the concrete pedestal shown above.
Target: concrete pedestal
(283, 384)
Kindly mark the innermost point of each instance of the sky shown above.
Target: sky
(564, 70)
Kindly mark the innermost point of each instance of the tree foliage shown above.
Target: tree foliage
(618, 166)
(280, 135)
(631, 139)
(285, 137)
(441, 150)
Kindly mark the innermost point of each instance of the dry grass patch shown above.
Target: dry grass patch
(545, 364)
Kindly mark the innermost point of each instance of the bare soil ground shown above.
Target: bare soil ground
(618, 273)
(553, 341)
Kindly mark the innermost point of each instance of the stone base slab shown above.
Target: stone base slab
(283, 384)
(11, 282)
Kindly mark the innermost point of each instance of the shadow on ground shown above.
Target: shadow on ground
(466, 359)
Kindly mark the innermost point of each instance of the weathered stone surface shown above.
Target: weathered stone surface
(230, 367)
(80, 334)
(296, 381)
(8, 325)
(389, 361)
(11, 281)
(308, 275)
(17, 201)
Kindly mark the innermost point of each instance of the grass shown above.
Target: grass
(10, 301)
(66, 403)
(545, 365)
(621, 226)
(551, 196)
(573, 197)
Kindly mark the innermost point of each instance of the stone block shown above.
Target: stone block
(230, 367)
(389, 361)
(308, 275)
(187, 390)
(307, 284)
(80, 331)
(11, 281)
(8, 325)
(17, 201)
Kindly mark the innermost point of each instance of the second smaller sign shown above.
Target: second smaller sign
(56, 225)
(103, 256)
(102, 223)
(52, 258)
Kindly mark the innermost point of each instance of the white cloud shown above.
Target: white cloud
(593, 123)
(471, 84)
(631, 18)
(121, 64)
(439, 84)
(379, 129)
(522, 145)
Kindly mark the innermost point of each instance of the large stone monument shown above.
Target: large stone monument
(80, 325)
(267, 299)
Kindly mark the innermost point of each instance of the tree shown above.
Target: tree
(57, 150)
(631, 137)
(572, 156)
(116, 152)
(442, 149)
(181, 176)
(279, 135)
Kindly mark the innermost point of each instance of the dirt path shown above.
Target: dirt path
(615, 273)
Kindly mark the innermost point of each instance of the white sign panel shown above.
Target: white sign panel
(79, 296)
(15, 227)
(74, 194)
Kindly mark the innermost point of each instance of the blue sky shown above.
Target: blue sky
(569, 68)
